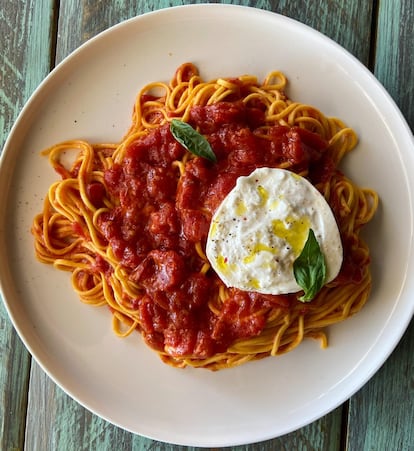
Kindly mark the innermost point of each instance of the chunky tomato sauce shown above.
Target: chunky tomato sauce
(161, 216)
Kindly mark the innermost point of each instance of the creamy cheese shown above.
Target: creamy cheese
(261, 227)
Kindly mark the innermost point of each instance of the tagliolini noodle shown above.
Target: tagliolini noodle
(128, 219)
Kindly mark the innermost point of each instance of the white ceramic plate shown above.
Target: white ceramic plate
(90, 95)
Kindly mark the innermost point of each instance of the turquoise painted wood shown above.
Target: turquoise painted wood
(37, 415)
(394, 61)
(381, 415)
(22, 68)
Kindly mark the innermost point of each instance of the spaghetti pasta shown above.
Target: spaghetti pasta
(129, 220)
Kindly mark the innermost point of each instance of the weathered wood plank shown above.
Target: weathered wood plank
(348, 24)
(74, 427)
(14, 377)
(22, 67)
(381, 414)
(395, 53)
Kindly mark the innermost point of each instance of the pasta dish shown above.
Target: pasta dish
(131, 220)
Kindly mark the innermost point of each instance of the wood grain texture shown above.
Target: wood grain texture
(22, 67)
(381, 414)
(394, 63)
(347, 22)
(74, 427)
(14, 378)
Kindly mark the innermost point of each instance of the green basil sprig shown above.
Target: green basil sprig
(310, 268)
(193, 141)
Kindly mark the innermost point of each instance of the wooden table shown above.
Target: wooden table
(35, 35)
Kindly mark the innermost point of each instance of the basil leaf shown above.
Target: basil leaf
(310, 268)
(193, 141)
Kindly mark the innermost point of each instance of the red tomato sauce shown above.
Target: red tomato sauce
(160, 217)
